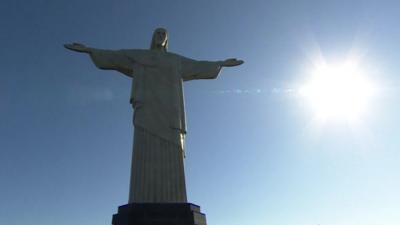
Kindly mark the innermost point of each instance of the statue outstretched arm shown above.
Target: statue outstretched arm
(105, 59)
(231, 62)
(193, 69)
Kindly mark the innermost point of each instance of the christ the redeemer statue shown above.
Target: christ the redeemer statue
(157, 173)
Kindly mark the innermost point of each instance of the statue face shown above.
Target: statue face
(160, 37)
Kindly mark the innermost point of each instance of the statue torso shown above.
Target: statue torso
(157, 93)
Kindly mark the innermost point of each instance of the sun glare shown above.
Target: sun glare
(339, 91)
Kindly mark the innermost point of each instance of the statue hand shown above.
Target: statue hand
(231, 62)
(77, 47)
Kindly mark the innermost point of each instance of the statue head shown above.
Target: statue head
(159, 40)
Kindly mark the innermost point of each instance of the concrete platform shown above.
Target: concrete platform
(159, 214)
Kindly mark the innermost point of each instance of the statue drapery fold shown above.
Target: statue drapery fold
(157, 91)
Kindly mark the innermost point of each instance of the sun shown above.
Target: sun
(338, 91)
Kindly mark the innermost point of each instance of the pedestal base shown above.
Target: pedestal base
(159, 214)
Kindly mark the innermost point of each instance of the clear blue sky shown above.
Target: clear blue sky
(252, 156)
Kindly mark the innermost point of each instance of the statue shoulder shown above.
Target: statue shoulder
(174, 55)
(135, 52)
(151, 57)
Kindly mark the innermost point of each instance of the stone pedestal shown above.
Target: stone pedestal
(159, 214)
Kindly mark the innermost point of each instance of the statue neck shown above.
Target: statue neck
(159, 48)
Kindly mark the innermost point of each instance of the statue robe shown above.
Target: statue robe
(157, 173)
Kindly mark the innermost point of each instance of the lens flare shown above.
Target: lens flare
(339, 91)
